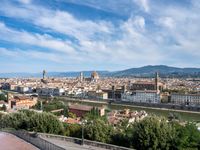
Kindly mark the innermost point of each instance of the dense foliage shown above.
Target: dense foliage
(151, 133)
(52, 105)
(32, 121)
(98, 130)
(3, 97)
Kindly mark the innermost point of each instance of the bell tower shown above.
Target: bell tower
(157, 82)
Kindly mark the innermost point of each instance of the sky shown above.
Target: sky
(76, 35)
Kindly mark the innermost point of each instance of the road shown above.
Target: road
(11, 142)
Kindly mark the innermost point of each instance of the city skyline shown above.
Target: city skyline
(75, 35)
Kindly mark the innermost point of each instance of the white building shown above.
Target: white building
(50, 91)
(146, 96)
(185, 99)
(23, 89)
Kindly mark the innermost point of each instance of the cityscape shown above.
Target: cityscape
(90, 75)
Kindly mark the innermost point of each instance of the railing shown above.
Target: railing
(35, 140)
(86, 142)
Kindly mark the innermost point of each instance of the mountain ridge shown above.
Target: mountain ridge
(145, 71)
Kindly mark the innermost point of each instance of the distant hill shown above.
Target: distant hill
(146, 71)
(163, 70)
(51, 74)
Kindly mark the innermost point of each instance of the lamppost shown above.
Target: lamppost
(83, 123)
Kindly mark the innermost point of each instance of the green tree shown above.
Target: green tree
(98, 130)
(4, 108)
(17, 120)
(3, 97)
(122, 135)
(73, 130)
(152, 133)
(46, 122)
(32, 121)
(71, 115)
(185, 137)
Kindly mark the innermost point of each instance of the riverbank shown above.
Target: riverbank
(182, 114)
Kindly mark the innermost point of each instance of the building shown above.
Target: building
(81, 110)
(94, 76)
(156, 85)
(2, 103)
(146, 96)
(81, 77)
(23, 89)
(50, 91)
(22, 102)
(185, 99)
(97, 94)
(44, 80)
(117, 116)
(115, 93)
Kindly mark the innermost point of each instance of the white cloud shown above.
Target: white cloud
(30, 54)
(144, 4)
(25, 1)
(167, 22)
(35, 39)
(134, 41)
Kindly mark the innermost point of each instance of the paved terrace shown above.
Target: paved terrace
(71, 143)
(71, 146)
(11, 142)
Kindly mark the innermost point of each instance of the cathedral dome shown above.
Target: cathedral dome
(95, 75)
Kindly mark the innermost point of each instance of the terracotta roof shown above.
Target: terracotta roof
(80, 107)
(2, 102)
(72, 121)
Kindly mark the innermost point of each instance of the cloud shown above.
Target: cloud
(18, 54)
(147, 38)
(35, 39)
(144, 4)
(167, 22)
(25, 1)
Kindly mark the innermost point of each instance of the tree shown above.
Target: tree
(151, 133)
(71, 115)
(3, 97)
(46, 122)
(122, 135)
(98, 130)
(184, 136)
(4, 108)
(32, 121)
(17, 120)
(73, 130)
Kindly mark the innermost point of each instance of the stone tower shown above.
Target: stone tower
(81, 76)
(157, 82)
(43, 74)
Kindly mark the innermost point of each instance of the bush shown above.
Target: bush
(32, 121)
(73, 130)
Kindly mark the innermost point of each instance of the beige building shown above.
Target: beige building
(22, 102)
(185, 99)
